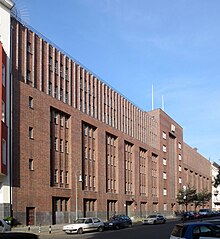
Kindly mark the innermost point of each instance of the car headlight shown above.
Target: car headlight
(110, 224)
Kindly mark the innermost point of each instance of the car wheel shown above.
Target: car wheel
(80, 231)
(164, 221)
(129, 225)
(100, 229)
(154, 222)
(116, 227)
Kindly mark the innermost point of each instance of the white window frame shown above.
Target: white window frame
(3, 111)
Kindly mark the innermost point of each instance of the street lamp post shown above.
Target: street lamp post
(80, 180)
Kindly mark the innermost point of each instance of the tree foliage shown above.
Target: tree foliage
(189, 195)
(202, 198)
(216, 182)
(186, 196)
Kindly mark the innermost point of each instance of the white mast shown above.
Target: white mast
(162, 103)
(152, 97)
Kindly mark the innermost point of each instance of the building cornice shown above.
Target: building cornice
(7, 3)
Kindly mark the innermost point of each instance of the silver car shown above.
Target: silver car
(154, 219)
(4, 227)
(85, 225)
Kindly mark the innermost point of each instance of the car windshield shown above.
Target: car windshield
(80, 220)
(151, 216)
(178, 231)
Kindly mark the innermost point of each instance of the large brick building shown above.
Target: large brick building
(80, 148)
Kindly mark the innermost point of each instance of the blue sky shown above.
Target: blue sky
(132, 44)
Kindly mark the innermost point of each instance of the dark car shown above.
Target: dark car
(195, 230)
(187, 216)
(118, 221)
(18, 235)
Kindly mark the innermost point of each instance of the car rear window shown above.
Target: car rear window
(179, 230)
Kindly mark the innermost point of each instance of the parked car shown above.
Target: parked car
(85, 225)
(206, 212)
(18, 235)
(195, 230)
(154, 219)
(4, 226)
(187, 216)
(118, 221)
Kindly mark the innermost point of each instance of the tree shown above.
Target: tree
(186, 195)
(216, 182)
(202, 198)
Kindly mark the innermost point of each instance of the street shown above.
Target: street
(160, 231)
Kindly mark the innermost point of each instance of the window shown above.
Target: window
(67, 178)
(165, 207)
(56, 144)
(56, 118)
(164, 161)
(31, 103)
(164, 135)
(4, 152)
(61, 145)
(31, 133)
(61, 120)
(56, 176)
(31, 164)
(173, 128)
(3, 74)
(61, 176)
(55, 91)
(67, 147)
(28, 47)
(50, 63)
(50, 88)
(180, 180)
(180, 157)
(164, 175)
(3, 111)
(180, 169)
(179, 146)
(164, 148)
(56, 67)
(164, 192)
(66, 123)
(29, 76)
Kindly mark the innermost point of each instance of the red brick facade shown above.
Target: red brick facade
(78, 144)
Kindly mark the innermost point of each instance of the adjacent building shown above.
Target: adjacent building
(5, 97)
(79, 148)
(215, 190)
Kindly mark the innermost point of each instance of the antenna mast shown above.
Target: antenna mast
(152, 97)
(162, 103)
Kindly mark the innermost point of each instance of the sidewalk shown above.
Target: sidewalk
(43, 230)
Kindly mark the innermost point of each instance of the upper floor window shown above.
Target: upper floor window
(164, 191)
(164, 148)
(164, 161)
(31, 164)
(179, 146)
(28, 47)
(173, 128)
(31, 133)
(4, 152)
(164, 135)
(29, 76)
(3, 111)
(3, 74)
(31, 103)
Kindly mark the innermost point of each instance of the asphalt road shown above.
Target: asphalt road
(161, 231)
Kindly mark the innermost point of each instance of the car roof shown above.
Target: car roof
(194, 223)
